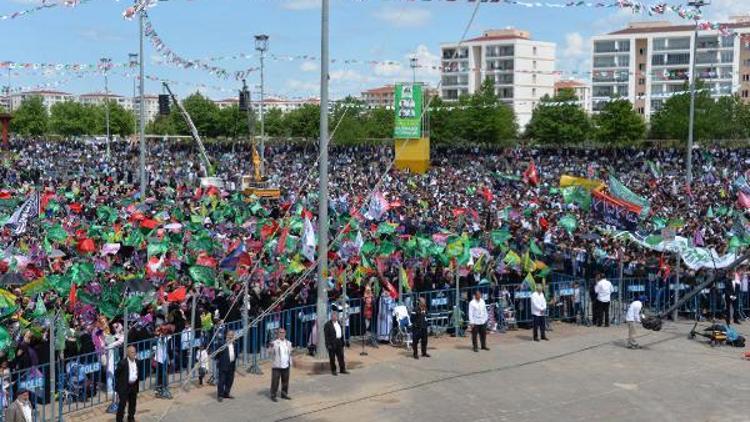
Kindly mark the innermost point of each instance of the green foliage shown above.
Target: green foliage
(161, 125)
(479, 118)
(303, 122)
(671, 122)
(30, 118)
(274, 123)
(618, 123)
(121, 121)
(71, 118)
(232, 123)
(558, 124)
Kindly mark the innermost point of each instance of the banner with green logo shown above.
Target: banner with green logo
(408, 107)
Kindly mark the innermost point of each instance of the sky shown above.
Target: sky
(379, 30)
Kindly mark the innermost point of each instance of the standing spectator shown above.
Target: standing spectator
(478, 320)
(731, 290)
(633, 317)
(603, 291)
(226, 362)
(201, 356)
(161, 358)
(281, 363)
(419, 328)
(334, 335)
(538, 310)
(20, 410)
(126, 385)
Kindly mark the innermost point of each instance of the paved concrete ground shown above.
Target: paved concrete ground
(582, 374)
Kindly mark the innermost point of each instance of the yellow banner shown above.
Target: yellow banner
(588, 184)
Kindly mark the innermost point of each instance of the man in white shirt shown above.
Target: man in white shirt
(126, 385)
(281, 362)
(538, 311)
(334, 335)
(226, 362)
(603, 291)
(20, 410)
(478, 320)
(633, 317)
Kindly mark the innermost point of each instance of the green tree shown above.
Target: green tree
(232, 123)
(203, 112)
(121, 121)
(304, 122)
(161, 125)
(555, 122)
(275, 124)
(379, 123)
(71, 118)
(671, 121)
(30, 118)
(618, 123)
(734, 116)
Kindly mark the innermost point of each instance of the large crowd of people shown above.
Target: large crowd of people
(97, 250)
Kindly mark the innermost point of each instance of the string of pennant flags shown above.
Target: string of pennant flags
(46, 4)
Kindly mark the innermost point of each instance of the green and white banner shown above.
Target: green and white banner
(694, 258)
(408, 107)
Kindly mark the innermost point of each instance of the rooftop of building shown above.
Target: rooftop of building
(387, 89)
(571, 83)
(43, 92)
(100, 94)
(642, 27)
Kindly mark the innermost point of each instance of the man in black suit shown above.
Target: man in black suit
(126, 385)
(334, 333)
(419, 328)
(226, 361)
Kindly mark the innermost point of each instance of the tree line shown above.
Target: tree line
(480, 118)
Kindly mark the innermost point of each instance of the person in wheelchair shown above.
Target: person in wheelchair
(400, 333)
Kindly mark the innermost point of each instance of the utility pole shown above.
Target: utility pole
(413, 64)
(132, 63)
(696, 4)
(142, 110)
(322, 303)
(106, 63)
(261, 45)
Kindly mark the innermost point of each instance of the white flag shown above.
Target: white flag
(20, 218)
(308, 241)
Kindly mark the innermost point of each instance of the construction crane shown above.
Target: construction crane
(209, 172)
(654, 322)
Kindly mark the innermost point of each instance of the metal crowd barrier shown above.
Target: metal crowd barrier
(86, 381)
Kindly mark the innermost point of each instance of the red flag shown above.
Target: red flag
(206, 261)
(73, 295)
(268, 230)
(664, 268)
(177, 295)
(744, 200)
(531, 176)
(86, 246)
(4, 194)
(150, 224)
(543, 223)
(487, 194)
(281, 246)
(76, 207)
(395, 204)
(457, 212)
(306, 214)
(45, 200)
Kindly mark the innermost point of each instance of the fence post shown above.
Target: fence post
(193, 333)
(51, 368)
(457, 307)
(677, 288)
(255, 368)
(619, 290)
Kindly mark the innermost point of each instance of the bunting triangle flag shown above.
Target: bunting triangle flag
(308, 241)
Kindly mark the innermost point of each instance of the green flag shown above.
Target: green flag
(157, 248)
(499, 237)
(106, 214)
(569, 223)
(202, 275)
(386, 228)
(529, 282)
(512, 259)
(534, 248)
(81, 273)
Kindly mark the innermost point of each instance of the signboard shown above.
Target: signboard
(408, 108)
(614, 212)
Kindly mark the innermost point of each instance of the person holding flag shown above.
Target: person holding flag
(419, 328)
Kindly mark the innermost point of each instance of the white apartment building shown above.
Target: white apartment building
(581, 89)
(648, 62)
(98, 98)
(522, 70)
(151, 108)
(269, 103)
(49, 98)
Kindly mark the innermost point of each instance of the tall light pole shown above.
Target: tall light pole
(697, 4)
(413, 63)
(261, 44)
(132, 63)
(322, 303)
(142, 109)
(105, 64)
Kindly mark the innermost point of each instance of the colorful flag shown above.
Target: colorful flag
(202, 275)
(744, 200)
(21, 216)
(308, 241)
(530, 175)
(177, 295)
(378, 206)
(282, 241)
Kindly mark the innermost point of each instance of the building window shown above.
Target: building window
(641, 51)
(746, 77)
(641, 110)
(642, 81)
(534, 51)
(533, 92)
(745, 93)
(641, 66)
(533, 78)
(534, 64)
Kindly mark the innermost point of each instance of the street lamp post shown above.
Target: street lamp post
(697, 4)
(106, 63)
(132, 63)
(142, 110)
(261, 45)
(321, 308)
(413, 64)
